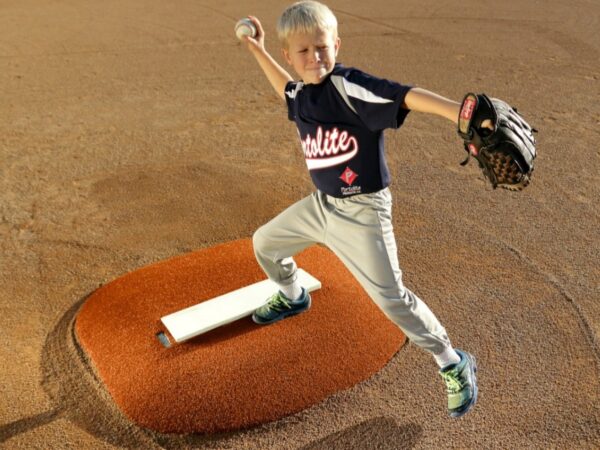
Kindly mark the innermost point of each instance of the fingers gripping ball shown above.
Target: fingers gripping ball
(245, 27)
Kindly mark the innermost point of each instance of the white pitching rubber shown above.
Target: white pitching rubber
(219, 311)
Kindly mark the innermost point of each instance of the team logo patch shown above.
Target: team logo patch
(328, 148)
(467, 109)
(348, 176)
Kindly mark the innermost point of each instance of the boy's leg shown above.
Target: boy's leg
(296, 228)
(371, 256)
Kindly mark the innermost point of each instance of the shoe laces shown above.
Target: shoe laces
(277, 301)
(452, 380)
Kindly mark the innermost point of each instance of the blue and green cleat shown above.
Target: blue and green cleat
(461, 384)
(279, 307)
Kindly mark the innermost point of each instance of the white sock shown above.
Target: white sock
(447, 357)
(292, 291)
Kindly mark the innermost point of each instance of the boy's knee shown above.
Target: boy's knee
(397, 297)
(259, 241)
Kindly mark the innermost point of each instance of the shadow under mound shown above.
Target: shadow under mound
(380, 433)
(17, 427)
(215, 382)
(76, 394)
(75, 391)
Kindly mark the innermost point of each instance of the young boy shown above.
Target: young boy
(340, 113)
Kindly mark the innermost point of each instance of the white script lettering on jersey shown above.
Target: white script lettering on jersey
(328, 149)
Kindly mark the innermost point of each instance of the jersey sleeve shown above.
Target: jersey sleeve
(377, 101)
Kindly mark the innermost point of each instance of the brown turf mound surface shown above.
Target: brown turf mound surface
(240, 374)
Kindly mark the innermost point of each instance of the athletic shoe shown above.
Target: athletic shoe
(279, 307)
(461, 384)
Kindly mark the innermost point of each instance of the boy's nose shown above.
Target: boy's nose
(315, 56)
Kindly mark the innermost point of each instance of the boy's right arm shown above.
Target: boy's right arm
(276, 74)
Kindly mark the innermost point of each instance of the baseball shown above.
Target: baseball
(245, 27)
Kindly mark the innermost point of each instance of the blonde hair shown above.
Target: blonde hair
(305, 17)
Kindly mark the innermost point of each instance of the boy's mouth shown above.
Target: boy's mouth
(322, 68)
(316, 74)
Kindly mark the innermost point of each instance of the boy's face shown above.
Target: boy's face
(312, 55)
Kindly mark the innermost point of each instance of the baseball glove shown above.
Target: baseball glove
(504, 153)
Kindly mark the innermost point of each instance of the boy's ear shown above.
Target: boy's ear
(338, 43)
(286, 54)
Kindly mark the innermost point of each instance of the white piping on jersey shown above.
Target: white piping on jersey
(338, 83)
(359, 92)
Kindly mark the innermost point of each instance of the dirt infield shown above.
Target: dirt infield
(136, 131)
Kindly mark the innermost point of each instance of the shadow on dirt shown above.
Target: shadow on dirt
(78, 396)
(380, 433)
(74, 392)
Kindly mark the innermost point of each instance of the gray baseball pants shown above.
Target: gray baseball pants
(359, 231)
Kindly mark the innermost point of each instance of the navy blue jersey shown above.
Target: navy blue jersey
(340, 122)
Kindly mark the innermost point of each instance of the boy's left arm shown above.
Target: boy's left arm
(422, 100)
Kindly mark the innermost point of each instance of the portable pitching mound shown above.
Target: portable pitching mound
(240, 374)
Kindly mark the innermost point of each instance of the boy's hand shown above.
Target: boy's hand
(488, 124)
(257, 42)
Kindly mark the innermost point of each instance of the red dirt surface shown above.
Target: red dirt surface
(241, 374)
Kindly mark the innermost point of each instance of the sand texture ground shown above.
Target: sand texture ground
(134, 131)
